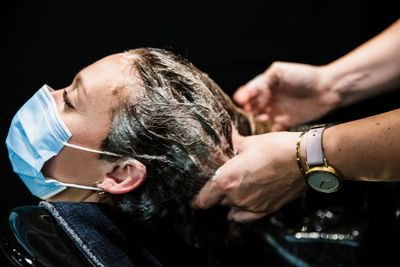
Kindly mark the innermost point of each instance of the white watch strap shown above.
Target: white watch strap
(315, 155)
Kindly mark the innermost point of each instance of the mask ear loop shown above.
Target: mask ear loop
(101, 191)
(92, 150)
(76, 185)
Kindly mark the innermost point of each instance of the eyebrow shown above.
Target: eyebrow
(78, 80)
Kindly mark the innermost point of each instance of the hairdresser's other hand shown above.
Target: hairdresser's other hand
(259, 180)
(288, 94)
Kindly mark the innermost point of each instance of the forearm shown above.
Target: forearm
(366, 149)
(369, 70)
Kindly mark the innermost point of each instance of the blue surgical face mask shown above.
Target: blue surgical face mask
(37, 134)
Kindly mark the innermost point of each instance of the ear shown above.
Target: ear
(124, 177)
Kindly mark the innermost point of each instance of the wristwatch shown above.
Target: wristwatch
(319, 175)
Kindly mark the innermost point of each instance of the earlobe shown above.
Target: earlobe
(124, 177)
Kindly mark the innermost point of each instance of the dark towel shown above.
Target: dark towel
(93, 229)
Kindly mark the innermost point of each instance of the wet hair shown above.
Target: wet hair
(178, 123)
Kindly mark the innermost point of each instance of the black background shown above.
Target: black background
(233, 41)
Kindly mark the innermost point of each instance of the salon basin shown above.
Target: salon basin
(33, 236)
(317, 237)
(355, 227)
(34, 239)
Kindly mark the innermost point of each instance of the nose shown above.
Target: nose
(57, 95)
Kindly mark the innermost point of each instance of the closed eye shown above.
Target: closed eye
(67, 100)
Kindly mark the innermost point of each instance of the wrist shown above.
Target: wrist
(320, 175)
(330, 93)
(333, 149)
(303, 152)
(300, 153)
(345, 84)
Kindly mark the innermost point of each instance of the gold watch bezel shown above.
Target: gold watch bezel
(323, 168)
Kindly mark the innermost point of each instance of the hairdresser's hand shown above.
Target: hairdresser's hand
(288, 94)
(259, 180)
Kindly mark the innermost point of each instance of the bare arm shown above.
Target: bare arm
(366, 149)
(288, 94)
(370, 69)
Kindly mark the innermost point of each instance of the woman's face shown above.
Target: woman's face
(86, 107)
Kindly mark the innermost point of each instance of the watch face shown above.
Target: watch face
(323, 181)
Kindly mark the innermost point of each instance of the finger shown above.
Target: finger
(214, 190)
(262, 117)
(244, 216)
(248, 107)
(245, 93)
(261, 101)
(208, 196)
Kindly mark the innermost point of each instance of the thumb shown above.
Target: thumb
(210, 195)
(213, 192)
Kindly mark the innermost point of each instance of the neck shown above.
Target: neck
(76, 195)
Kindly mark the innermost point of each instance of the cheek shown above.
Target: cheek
(85, 133)
(74, 166)
(89, 127)
(87, 130)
